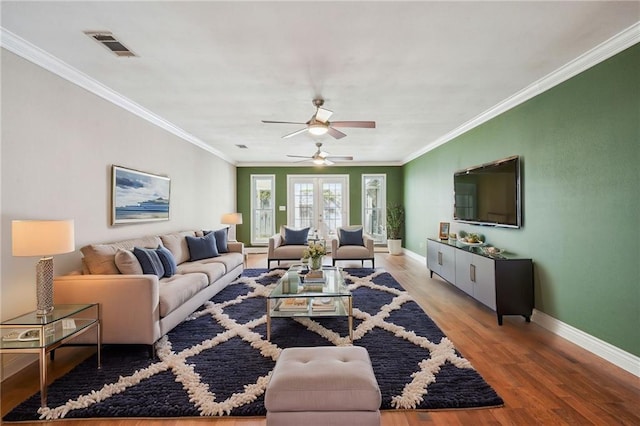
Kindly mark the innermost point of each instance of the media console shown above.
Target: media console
(503, 283)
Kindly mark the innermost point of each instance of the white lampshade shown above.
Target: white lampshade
(231, 219)
(42, 237)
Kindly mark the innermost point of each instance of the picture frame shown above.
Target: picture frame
(139, 196)
(444, 231)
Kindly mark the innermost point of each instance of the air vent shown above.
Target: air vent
(242, 146)
(109, 41)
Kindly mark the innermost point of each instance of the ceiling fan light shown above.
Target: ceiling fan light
(318, 161)
(318, 129)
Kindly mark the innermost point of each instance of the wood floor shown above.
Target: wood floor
(542, 378)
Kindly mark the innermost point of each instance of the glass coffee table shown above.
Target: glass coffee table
(324, 296)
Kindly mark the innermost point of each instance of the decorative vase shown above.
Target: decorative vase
(315, 263)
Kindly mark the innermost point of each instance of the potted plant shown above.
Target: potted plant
(395, 222)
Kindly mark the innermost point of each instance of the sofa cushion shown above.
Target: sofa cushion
(100, 258)
(229, 260)
(150, 261)
(168, 261)
(176, 243)
(213, 270)
(176, 290)
(202, 247)
(127, 262)
(295, 236)
(351, 237)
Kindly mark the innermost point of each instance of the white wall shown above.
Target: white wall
(58, 144)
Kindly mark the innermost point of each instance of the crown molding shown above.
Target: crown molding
(34, 54)
(309, 164)
(600, 53)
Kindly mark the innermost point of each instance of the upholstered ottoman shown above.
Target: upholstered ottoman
(326, 385)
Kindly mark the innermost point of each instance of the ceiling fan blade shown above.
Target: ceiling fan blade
(339, 157)
(297, 132)
(299, 156)
(328, 162)
(282, 122)
(335, 133)
(323, 115)
(361, 124)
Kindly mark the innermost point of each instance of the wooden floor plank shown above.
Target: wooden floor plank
(542, 378)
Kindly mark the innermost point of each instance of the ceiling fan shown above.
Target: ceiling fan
(319, 123)
(322, 158)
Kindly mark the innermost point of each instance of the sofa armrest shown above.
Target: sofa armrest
(129, 304)
(235, 246)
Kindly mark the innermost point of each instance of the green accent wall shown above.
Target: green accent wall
(243, 232)
(580, 148)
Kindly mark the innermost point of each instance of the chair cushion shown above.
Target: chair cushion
(296, 236)
(352, 252)
(351, 237)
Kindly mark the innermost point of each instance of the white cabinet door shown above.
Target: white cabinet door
(441, 260)
(463, 272)
(484, 272)
(432, 256)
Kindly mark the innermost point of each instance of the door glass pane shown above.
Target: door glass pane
(374, 207)
(263, 209)
(303, 208)
(332, 202)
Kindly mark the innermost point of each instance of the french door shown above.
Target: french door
(319, 202)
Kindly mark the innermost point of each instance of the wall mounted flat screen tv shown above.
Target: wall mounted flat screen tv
(489, 194)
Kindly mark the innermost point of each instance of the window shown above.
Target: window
(374, 207)
(263, 196)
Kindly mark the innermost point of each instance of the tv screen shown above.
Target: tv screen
(489, 194)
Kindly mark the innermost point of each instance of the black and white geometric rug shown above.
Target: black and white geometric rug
(218, 362)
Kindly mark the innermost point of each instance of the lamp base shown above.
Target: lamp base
(44, 286)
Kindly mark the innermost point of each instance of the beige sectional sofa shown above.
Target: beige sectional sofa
(138, 308)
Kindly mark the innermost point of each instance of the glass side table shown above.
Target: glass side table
(33, 334)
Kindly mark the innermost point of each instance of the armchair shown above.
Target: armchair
(287, 245)
(352, 244)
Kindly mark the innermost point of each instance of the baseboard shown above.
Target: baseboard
(613, 354)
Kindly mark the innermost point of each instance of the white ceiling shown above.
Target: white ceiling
(421, 70)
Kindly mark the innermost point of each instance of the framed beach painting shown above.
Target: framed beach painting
(138, 196)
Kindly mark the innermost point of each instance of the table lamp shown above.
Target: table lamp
(43, 238)
(232, 219)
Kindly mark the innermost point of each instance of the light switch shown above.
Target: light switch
(283, 208)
